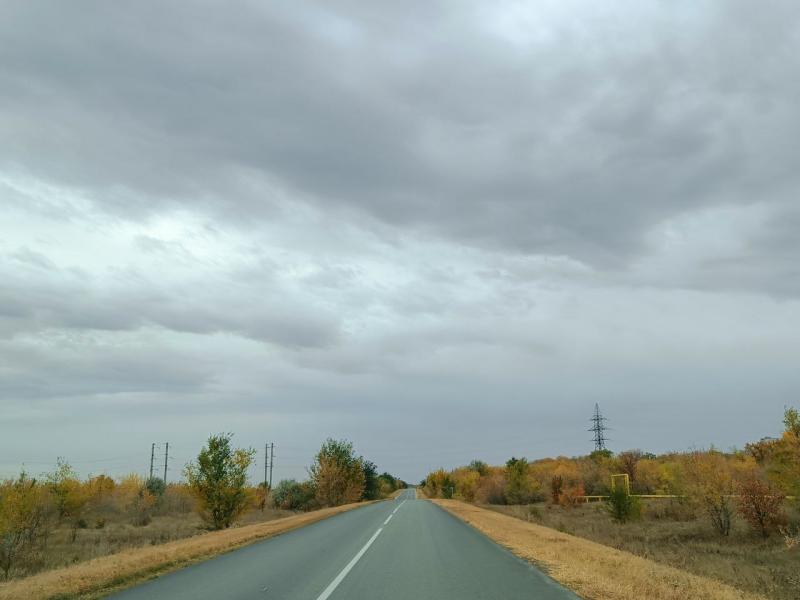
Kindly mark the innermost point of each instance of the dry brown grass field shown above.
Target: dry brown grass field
(669, 535)
(97, 577)
(118, 534)
(594, 571)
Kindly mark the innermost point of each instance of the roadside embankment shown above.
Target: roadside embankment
(593, 571)
(100, 576)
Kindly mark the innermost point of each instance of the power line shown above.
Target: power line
(271, 462)
(166, 460)
(266, 465)
(598, 428)
(152, 458)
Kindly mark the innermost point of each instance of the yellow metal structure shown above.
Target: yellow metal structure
(623, 480)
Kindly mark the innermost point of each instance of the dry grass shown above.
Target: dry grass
(671, 534)
(118, 534)
(100, 576)
(593, 570)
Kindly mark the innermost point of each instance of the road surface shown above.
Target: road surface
(397, 549)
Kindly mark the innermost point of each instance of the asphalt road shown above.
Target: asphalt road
(392, 550)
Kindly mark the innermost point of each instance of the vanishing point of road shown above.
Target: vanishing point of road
(392, 550)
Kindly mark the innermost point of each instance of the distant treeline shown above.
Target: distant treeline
(766, 471)
(216, 488)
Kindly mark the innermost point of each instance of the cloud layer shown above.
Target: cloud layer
(412, 227)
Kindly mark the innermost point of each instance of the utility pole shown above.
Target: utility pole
(166, 460)
(266, 465)
(598, 428)
(152, 458)
(271, 462)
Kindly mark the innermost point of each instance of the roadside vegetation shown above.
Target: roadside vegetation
(732, 516)
(593, 570)
(59, 519)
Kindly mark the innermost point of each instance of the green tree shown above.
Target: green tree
(518, 485)
(372, 488)
(791, 420)
(337, 474)
(480, 467)
(155, 486)
(218, 478)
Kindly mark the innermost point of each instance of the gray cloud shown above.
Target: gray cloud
(410, 225)
(259, 312)
(572, 145)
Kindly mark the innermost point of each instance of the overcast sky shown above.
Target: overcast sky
(443, 230)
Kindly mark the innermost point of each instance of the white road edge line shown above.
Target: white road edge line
(335, 583)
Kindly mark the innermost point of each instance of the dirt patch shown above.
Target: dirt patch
(593, 571)
(110, 573)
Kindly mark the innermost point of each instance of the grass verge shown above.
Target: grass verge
(101, 576)
(593, 571)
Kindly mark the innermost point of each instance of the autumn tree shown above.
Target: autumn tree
(337, 474)
(218, 478)
(629, 461)
(760, 505)
(439, 484)
(712, 487)
(23, 517)
(480, 467)
(556, 488)
(466, 483)
(68, 495)
(388, 483)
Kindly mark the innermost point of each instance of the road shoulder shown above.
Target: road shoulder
(590, 569)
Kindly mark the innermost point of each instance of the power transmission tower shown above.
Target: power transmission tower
(166, 460)
(598, 428)
(152, 458)
(271, 462)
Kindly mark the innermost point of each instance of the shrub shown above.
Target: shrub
(466, 483)
(572, 495)
(491, 489)
(140, 508)
(760, 505)
(292, 495)
(156, 486)
(622, 507)
(534, 513)
(218, 478)
(439, 484)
